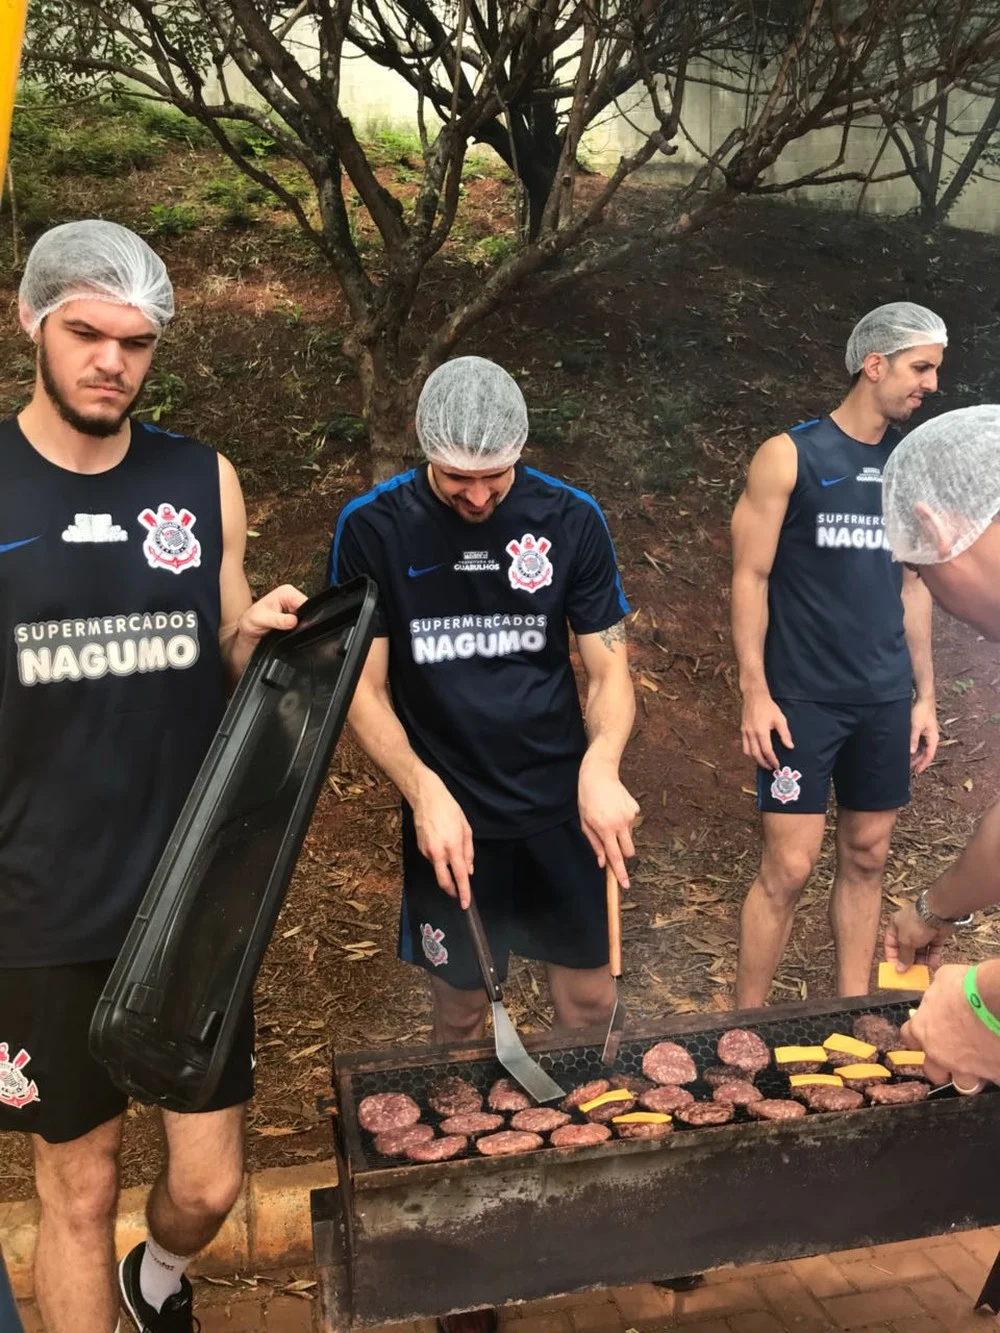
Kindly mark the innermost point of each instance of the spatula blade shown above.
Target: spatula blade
(518, 1063)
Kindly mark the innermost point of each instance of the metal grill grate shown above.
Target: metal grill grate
(579, 1064)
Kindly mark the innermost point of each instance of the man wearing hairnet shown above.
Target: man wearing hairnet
(834, 650)
(469, 703)
(125, 614)
(942, 500)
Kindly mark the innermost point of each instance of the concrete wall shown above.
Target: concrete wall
(374, 97)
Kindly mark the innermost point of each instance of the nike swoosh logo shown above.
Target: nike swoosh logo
(415, 573)
(831, 481)
(12, 546)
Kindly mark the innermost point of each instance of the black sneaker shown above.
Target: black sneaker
(176, 1315)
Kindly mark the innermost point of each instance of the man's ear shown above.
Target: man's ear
(874, 366)
(27, 318)
(936, 529)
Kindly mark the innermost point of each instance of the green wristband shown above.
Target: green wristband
(977, 1005)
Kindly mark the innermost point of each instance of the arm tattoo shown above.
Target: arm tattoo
(612, 635)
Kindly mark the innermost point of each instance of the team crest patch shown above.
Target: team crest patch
(530, 567)
(785, 786)
(15, 1090)
(171, 544)
(432, 942)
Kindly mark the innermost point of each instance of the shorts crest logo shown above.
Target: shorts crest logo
(15, 1090)
(431, 942)
(530, 567)
(171, 544)
(785, 786)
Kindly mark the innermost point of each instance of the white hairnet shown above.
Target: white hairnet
(892, 328)
(94, 260)
(472, 415)
(950, 465)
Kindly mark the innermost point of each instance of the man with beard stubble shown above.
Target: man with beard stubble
(125, 615)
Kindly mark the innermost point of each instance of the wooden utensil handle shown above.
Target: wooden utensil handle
(614, 923)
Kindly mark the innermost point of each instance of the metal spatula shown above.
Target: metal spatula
(619, 1014)
(509, 1046)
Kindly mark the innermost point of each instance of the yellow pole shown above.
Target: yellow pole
(12, 17)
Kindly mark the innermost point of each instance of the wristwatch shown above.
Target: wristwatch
(932, 919)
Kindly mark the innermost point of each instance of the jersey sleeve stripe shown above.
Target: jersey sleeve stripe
(382, 488)
(589, 499)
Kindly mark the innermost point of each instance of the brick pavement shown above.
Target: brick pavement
(924, 1286)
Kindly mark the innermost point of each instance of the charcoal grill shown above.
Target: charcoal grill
(400, 1242)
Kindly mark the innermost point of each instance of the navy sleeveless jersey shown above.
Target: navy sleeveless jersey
(476, 615)
(111, 682)
(835, 617)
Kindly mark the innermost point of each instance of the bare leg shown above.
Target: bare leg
(77, 1184)
(459, 1015)
(791, 846)
(201, 1181)
(583, 997)
(856, 902)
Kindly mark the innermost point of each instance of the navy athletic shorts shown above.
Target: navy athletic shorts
(540, 897)
(864, 748)
(50, 1084)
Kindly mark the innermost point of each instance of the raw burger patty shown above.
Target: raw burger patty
(877, 1031)
(454, 1096)
(471, 1123)
(539, 1120)
(717, 1074)
(745, 1050)
(602, 1115)
(579, 1136)
(896, 1094)
(669, 1098)
(666, 1062)
(776, 1108)
(387, 1110)
(631, 1083)
(508, 1141)
(706, 1113)
(825, 1098)
(437, 1150)
(741, 1092)
(586, 1092)
(505, 1095)
(394, 1142)
(645, 1130)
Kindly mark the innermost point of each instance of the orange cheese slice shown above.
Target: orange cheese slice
(905, 1057)
(844, 1045)
(616, 1095)
(864, 1071)
(821, 1080)
(791, 1055)
(642, 1118)
(917, 977)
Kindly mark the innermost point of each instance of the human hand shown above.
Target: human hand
(607, 814)
(272, 611)
(761, 716)
(923, 735)
(909, 940)
(958, 1047)
(444, 837)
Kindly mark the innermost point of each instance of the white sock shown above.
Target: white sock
(160, 1273)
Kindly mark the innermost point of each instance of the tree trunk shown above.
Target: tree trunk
(388, 401)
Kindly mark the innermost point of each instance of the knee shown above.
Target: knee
(464, 1017)
(862, 858)
(784, 876)
(209, 1194)
(83, 1197)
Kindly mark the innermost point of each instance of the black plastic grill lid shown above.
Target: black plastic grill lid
(165, 1022)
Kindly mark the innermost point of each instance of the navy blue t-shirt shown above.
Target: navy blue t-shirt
(835, 616)
(478, 616)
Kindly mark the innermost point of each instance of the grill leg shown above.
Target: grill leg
(990, 1294)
